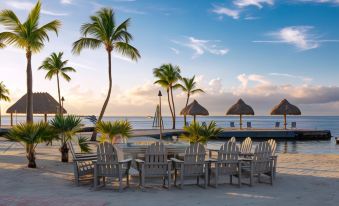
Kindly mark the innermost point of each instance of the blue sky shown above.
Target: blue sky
(259, 50)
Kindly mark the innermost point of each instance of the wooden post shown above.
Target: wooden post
(240, 121)
(45, 117)
(11, 119)
(285, 122)
(194, 117)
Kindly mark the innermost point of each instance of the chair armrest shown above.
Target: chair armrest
(83, 159)
(210, 160)
(175, 160)
(245, 159)
(139, 161)
(126, 160)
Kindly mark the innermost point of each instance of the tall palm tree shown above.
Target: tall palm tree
(4, 92)
(30, 37)
(189, 85)
(168, 76)
(102, 30)
(55, 66)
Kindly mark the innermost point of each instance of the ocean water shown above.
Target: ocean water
(305, 122)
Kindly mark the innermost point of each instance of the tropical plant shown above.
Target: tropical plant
(66, 127)
(30, 37)
(83, 144)
(30, 135)
(4, 92)
(55, 66)
(196, 132)
(168, 76)
(188, 85)
(2, 45)
(113, 130)
(102, 30)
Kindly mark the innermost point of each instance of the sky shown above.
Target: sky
(259, 50)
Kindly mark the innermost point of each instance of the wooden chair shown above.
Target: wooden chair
(108, 165)
(274, 156)
(260, 164)
(78, 154)
(83, 167)
(193, 165)
(227, 163)
(155, 164)
(246, 146)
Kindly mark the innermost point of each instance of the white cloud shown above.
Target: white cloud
(303, 78)
(176, 51)
(257, 3)
(298, 36)
(66, 1)
(226, 11)
(321, 1)
(25, 5)
(201, 46)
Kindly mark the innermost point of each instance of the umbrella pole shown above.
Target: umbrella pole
(194, 118)
(240, 121)
(285, 123)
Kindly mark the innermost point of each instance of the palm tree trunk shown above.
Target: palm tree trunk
(173, 116)
(169, 102)
(29, 106)
(94, 135)
(30, 156)
(188, 97)
(60, 108)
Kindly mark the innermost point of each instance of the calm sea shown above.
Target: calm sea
(305, 122)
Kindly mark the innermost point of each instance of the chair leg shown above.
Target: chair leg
(251, 179)
(182, 177)
(206, 179)
(231, 179)
(198, 178)
(175, 177)
(127, 180)
(259, 178)
(169, 180)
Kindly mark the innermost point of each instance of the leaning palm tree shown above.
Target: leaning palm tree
(30, 135)
(55, 66)
(102, 30)
(4, 92)
(30, 37)
(168, 76)
(66, 127)
(189, 86)
(112, 131)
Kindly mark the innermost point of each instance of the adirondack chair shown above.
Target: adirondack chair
(260, 164)
(193, 165)
(277, 125)
(232, 125)
(233, 139)
(293, 125)
(249, 124)
(246, 147)
(108, 165)
(274, 156)
(83, 167)
(155, 164)
(227, 163)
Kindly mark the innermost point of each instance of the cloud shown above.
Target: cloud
(257, 3)
(66, 1)
(298, 36)
(320, 1)
(303, 78)
(226, 11)
(176, 51)
(201, 46)
(27, 6)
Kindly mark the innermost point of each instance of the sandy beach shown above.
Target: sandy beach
(303, 179)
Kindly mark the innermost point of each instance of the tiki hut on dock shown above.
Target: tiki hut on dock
(43, 103)
(194, 109)
(240, 108)
(285, 108)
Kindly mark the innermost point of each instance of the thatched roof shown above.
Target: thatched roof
(43, 103)
(194, 109)
(284, 107)
(240, 108)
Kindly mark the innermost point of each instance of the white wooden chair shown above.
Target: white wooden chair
(246, 147)
(83, 167)
(155, 164)
(260, 164)
(193, 165)
(108, 165)
(227, 163)
(274, 156)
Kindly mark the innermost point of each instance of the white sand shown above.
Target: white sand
(302, 179)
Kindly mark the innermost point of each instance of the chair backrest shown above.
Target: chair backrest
(156, 159)
(71, 148)
(232, 139)
(293, 125)
(228, 152)
(194, 159)
(249, 125)
(108, 163)
(232, 124)
(273, 145)
(246, 146)
(277, 124)
(262, 157)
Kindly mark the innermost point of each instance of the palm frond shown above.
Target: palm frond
(4, 92)
(84, 43)
(83, 144)
(127, 50)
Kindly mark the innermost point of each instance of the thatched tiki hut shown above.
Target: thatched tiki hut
(285, 108)
(194, 109)
(43, 103)
(240, 108)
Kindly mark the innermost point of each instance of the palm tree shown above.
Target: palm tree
(189, 86)
(30, 37)
(30, 135)
(103, 31)
(168, 76)
(4, 92)
(55, 66)
(66, 127)
(113, 130)
(200, 133)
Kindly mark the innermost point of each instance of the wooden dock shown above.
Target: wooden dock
(259, 134)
